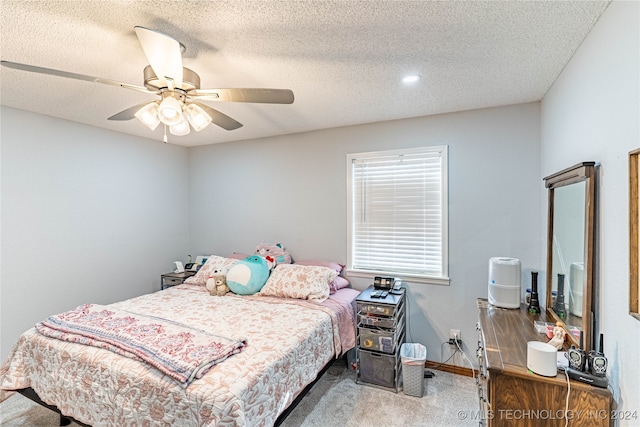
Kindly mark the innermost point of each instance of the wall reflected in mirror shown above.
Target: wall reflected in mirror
(568, 252)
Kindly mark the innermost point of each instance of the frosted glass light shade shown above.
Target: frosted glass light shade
(170, 111)
(198, 118)
(148, 115)
(180, 129)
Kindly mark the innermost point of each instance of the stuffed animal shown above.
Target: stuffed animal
(217, 285)
(274, 254)
(218, 271)
(248, 275)
(558, 336)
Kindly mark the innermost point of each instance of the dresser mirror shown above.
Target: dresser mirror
(571, 250)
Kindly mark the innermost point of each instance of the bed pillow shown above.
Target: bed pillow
(215, 265)
(338, 283)
(238, 255)
(329, 264)
(299, 281)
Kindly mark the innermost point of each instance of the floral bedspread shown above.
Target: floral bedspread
(288, 342)
(178, 350)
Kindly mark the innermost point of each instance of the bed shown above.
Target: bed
(289, 340)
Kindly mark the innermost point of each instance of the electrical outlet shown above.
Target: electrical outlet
(454, 334)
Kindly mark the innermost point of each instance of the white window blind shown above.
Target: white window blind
(398, 212)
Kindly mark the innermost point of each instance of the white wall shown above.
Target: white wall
(88, 215)
(592, 114)
(292, 189)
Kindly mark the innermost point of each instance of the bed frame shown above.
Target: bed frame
(66, 420)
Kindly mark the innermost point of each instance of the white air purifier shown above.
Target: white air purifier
(505, 282)
(542, 358)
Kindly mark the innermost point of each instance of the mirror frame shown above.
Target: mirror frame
(634, 235)
(585, 171)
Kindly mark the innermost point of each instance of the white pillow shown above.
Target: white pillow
(299, 281)
(215, 265)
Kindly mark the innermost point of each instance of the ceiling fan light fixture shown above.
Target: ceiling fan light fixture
(176, 85)
(198, 118)
(170, 111)
(148, 115)
(180, 129)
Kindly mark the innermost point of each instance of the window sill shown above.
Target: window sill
(440, 281)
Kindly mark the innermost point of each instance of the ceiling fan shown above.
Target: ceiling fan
(178, 88)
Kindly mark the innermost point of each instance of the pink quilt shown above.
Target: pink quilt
(181, 352)
(288, 343)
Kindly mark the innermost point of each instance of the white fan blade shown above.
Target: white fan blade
(128, 114)
(75, 76)
(163, 54)
(220, 119)
(267, 96)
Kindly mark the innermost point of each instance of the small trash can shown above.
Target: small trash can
(413, 357)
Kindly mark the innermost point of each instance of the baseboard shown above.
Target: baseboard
(459, 370)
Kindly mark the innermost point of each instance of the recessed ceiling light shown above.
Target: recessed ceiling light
(412, 78)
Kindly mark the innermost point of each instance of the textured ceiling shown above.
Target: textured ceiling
(343, 59)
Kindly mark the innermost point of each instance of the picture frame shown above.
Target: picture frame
(634, 235)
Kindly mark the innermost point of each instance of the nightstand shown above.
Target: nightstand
(381, 331)
(168, 280)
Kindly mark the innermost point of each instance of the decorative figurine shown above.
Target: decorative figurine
(558, 336)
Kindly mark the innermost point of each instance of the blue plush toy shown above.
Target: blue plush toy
(248, 275)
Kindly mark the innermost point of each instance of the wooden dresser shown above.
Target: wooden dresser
(510, 395)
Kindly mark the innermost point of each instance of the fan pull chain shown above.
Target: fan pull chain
(165, 134)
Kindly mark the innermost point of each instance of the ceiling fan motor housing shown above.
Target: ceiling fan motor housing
(190, 79)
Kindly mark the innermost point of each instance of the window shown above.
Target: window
(397, 224)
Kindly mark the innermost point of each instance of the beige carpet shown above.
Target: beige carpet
(336, 400)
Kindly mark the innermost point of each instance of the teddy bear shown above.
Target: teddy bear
(274, 254)
(217, 285)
